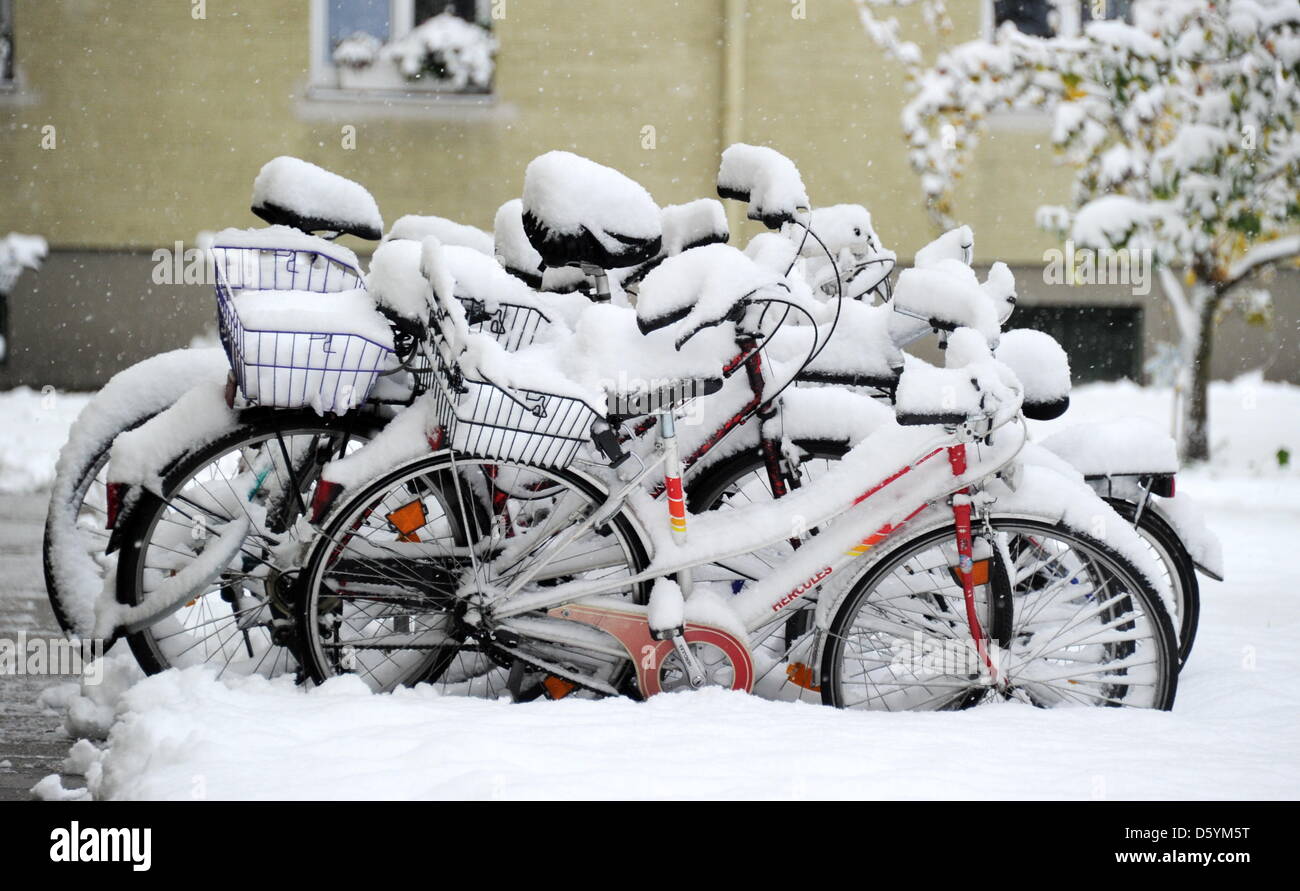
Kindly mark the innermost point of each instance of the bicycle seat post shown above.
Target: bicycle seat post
(600, 279)
(673, 487)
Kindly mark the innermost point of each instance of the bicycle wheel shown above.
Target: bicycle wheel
(75, 539)
(396, 567)
(264, 472)
(733, 483)
(1084, 628)
(1180, 571)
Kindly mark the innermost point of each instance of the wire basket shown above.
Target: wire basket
(527, 426)
(511, 324)
(331, 371)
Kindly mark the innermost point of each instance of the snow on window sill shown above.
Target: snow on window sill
(321, 101)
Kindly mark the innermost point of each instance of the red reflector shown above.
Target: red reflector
(323, 499)
(113, 503)
(1172, 479)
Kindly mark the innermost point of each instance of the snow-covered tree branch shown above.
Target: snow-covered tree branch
(1180, 127)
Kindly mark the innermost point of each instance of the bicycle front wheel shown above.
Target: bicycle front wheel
(1081, 626)
(397, 566)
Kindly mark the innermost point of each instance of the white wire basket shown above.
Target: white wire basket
(531, 427)
(330, 371)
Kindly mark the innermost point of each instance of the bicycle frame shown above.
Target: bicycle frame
(870, 518)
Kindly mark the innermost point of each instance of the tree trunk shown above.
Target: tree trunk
(1196, 429)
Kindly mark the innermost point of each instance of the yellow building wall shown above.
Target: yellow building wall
(163, 120)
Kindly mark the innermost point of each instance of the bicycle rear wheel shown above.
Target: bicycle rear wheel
(264, 473)
(1180, 571)
(1085, 628)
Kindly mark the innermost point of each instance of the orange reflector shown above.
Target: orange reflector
(407, 519)
(558, 688)
(802, 676)
(979, 573)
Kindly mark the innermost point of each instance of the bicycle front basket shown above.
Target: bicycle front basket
(528, 426)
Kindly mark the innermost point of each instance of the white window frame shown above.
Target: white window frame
(8, 82)
(325, 76)
(1071, 26)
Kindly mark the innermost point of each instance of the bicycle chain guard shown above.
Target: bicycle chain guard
(632, 630)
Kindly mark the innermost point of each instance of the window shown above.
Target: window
(1104, 343)
(403, 45)
(1047, 18)
(6, 42)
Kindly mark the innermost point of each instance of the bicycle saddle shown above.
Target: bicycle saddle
(765, 179)
(700, 288)
(292, 192)
(577, 212)
(1043, 368)
(520, 258)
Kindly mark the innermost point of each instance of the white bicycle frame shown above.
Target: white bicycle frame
(870, 515)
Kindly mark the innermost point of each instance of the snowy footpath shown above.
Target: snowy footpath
(1234, 732)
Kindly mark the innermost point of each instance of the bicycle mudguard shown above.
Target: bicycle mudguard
(177, 590)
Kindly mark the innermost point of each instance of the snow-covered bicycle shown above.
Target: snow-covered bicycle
(417, 576)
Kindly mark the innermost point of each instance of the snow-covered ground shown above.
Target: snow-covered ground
(34, 428)
(1234, 732)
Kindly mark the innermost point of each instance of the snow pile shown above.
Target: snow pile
(955, 244)
(315, 196)
(1254, 423)
(340, 313)
(359, 50)
(342, 742)
(608, 347)
(766, 179)
(453, 51)
(417, 228)
(395, 282)
(89, 706)
(970, 385)
(35, 427)
(19, 252)
(1115, 446)
(693, 224)
(860, 259)
(667, 607)
(861, 347)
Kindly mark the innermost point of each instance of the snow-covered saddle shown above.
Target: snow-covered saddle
(292, 192)
(577, 212)
(701, 288)
(765, 179)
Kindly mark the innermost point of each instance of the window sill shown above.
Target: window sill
(330, 102)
